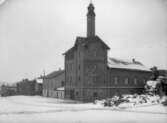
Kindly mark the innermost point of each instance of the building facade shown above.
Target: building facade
(8, 90)
(53, 84)
(88, 73)
(26, 87)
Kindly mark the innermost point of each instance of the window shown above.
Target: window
(94, 68)
(115, 80)
(77, 93)
(86, 46)
(79, 67)
(94, 78)
(95, 95)
(79, 53)
(62, 83)
(144, 81)
(71, 66)
(135, 81)
(126, 81)
(95, 53)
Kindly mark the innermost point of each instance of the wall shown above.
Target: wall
(123, 81)
(26, 87)
(50, 85)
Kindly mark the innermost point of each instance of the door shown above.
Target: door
(72, 96)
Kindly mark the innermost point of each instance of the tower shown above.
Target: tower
(86, 65)
(91, 21)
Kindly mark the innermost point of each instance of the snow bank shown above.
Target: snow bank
(128, 101)
(36, 109)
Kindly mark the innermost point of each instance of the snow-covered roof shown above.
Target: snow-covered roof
(54, 74)
(60, 89)
(126, 64)
(39, 80)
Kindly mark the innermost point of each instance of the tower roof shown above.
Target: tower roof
(115, 63)
(91, 9)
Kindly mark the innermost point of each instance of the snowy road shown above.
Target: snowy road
(35, 109)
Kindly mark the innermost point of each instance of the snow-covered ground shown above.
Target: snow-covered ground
(36, 109)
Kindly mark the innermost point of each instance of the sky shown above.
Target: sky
(35, 33)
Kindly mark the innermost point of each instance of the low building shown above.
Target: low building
(126, 76)
(89, 75)
(8, 90)
(162, 72)
(53, 84)
(26, 87)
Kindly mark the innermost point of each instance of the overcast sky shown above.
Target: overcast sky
(35, 33)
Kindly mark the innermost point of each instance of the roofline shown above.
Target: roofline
(62, 72)
(139, 70)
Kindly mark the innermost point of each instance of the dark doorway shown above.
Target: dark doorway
(72, 96)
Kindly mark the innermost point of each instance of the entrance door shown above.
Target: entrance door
(72, 96)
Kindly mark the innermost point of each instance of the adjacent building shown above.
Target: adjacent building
(26, 87)
(53, 84)
(8, 90)
(90, 74)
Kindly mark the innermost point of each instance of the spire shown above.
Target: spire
(91, 20)
(91, 9)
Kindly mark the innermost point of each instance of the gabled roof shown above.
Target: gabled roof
(85, 41)
(126, 64)
(54, 74)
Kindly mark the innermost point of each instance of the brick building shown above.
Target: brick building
(90, 74)
(53, 84)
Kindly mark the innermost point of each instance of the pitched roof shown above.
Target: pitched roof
(126, 64)
(54, 74)
(84, 41)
